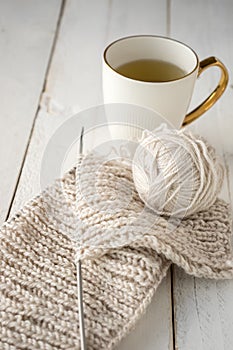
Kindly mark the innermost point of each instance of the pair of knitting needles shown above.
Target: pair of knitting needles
(79, 278)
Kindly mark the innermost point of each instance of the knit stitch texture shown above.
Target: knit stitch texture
(126, 252)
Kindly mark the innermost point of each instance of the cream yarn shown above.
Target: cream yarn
(176, 173)
(126, 251)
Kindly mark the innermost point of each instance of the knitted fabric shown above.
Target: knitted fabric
(126, 251)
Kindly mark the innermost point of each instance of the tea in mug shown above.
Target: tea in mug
(151, 70)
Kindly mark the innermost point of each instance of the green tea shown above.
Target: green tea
(151, 70)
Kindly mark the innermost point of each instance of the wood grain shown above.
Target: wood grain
(204, 308)
(27, 29)
(73, 84)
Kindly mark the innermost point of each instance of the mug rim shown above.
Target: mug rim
(149, 36)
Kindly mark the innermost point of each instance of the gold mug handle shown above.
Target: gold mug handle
(214, 96)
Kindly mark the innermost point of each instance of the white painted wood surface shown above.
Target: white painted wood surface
(27, 30)
(203, 310)
(74, 82)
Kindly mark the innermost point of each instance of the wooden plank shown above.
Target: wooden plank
(27, 29)
(151, 332)
(155, 329)
(74, 83)
(203, 308)
(137, 17)
(78, 60)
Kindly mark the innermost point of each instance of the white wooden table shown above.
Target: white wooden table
(50, 53)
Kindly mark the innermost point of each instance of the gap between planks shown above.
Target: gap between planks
(173, 319)
(172, 274)
(56, 34)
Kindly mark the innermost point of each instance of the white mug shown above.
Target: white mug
(170, 98)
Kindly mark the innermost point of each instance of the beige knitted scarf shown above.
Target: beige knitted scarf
(126, 252)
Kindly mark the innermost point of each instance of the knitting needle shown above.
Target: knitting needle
(79, 278)
(80, 306)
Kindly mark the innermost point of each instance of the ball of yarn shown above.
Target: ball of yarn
(176, 173)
